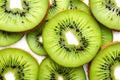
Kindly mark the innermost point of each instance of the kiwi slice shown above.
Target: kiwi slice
(34, 40)
(106, 64)
(107, 12)
(17, 64)
(7, 38)
(57, 6)
(49, 70)
(107, 35)
(21, 15)
(71, 38)
(79, 5)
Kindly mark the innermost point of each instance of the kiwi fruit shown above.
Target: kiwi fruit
(34, 40)
(107, 12)
(106, 64)
(107, 35)
(49, 70)
(21, 15)
(71, 38)
(19, 63)
(57, 6)
(7, 38)
(79, 5)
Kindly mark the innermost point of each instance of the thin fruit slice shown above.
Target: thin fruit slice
(21, 15)
(71, 38)
(79, 5)
(56, 6)
(7, 38)
(34, 40)
(106, 64)
(107, 12)
(49, 70)
(107, 35)
(17, 63)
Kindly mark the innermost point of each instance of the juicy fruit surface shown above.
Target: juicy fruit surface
(104, 65)
(83, 27)
(56, 6)
(24, 66)
(19, 20)
(7, 38)
(34, 41)
(106, 12)
(49, 70)
(107, 35)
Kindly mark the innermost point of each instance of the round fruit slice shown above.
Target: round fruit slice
(56, 6)
(79, 5)
(106, 64)
(21, 15)
(34, 40)
(107, 35)
(17, 65)
(107, 12)
(71, 38)
(49, 70)
(7, 38)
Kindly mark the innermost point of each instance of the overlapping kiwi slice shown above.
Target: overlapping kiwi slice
(34, 40)
(107, 12)
(17, 64)
(7, 38)
(21, 15)
(107, 35)
(106, 64)
(79, 5)
(57, 6)
(72, 38)
(49, 70)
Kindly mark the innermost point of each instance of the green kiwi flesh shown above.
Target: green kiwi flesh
(107, 35)
(24, 17)
(18, 62)
(79, 5)
(49, 70)
(7, 38)
(57, 6)
(106, 64)
(34, 40)
(85, 31)
(107, 12)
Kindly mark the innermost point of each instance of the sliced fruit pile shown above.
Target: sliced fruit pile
(68, 33)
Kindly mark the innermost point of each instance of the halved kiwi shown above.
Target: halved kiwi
(106, 64)
(56, 6)
(49, 70)
(17, 64)
(107, 35)
(71, 38)
(34, 40)
(7, 38)
(21, 15)
(107, 12)
(79, 5)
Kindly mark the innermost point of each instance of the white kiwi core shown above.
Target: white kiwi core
(117, 73)
(118, 3)
(16, 4)
(60, 78)
(9, 76)
(71, 38)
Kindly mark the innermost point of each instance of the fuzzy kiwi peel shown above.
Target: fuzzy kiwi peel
(49, 70)
(19, 62)
(106, 64)
(55, 40)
